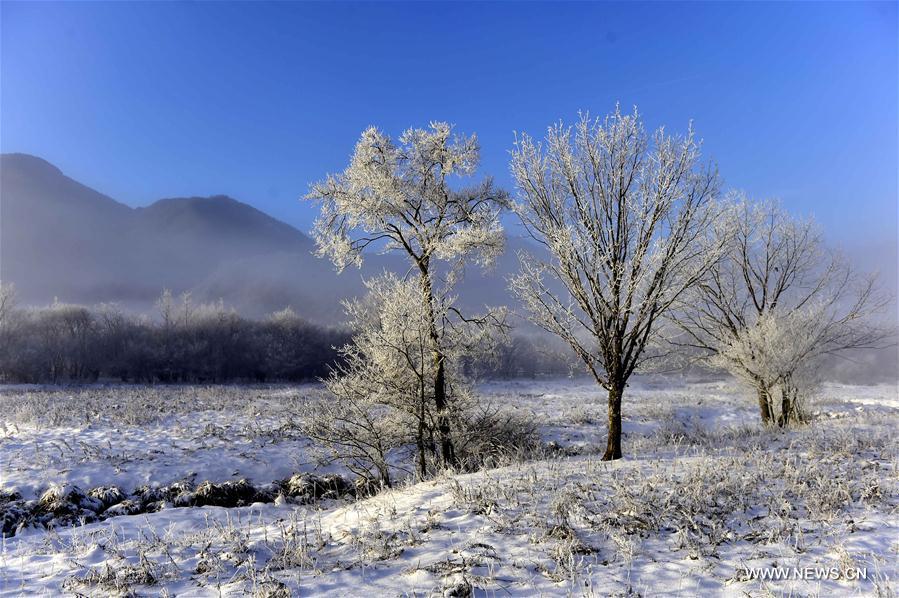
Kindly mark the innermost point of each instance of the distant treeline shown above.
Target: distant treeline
(184, 342)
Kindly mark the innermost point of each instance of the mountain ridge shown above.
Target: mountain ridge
(62, 239)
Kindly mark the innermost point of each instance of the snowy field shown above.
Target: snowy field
(703, 496)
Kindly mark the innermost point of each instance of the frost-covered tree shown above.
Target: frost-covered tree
(383, 388)
(7, 302)
(7, 323)
(776, 303)
(399, 197)
(782, 350)
(629, 224)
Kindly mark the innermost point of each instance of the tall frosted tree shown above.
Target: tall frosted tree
(628, 225)
(410, 197)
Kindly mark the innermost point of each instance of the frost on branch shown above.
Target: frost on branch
(382, 402)
(775, 305)
(630, 223)
(399, 197)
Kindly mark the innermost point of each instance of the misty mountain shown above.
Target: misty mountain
(61, 239)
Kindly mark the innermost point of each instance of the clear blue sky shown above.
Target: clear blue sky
(151, 100)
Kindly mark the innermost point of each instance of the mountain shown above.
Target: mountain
(61, 239)
(54, 233)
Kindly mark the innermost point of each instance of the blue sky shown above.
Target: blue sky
(150, 100)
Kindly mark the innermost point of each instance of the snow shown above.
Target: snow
(559, 525)
(252, 435)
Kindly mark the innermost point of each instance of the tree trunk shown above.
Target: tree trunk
(447, 450)
(384, 473)
(788, 407)
(764, 405)
(422, 459)
(798, 412)
(785, 410)
(613, 447)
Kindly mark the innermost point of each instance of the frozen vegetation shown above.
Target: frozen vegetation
(403, 472)
(704, 491)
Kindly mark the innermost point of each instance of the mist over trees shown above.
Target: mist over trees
(187, 342)
(638, 259)
(182, 343)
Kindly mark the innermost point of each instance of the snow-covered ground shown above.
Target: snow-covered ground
(703, 493)
(129, 436)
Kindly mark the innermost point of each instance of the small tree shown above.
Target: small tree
(628, 225)
(7, 302)
(398, 197)
(775, 304)
(383, 388)
(781, 349)
(7, 325)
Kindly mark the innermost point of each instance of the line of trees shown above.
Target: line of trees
(184, 343)
(208, 343)
(642, 260)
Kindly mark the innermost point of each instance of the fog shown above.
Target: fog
(63, 241)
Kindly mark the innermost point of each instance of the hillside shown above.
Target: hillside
(62, 239)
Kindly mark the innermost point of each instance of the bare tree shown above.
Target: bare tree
(777, 302)
(398, 197)
(628, 223)
(7, 302)
(7, 324)
(781, 350)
